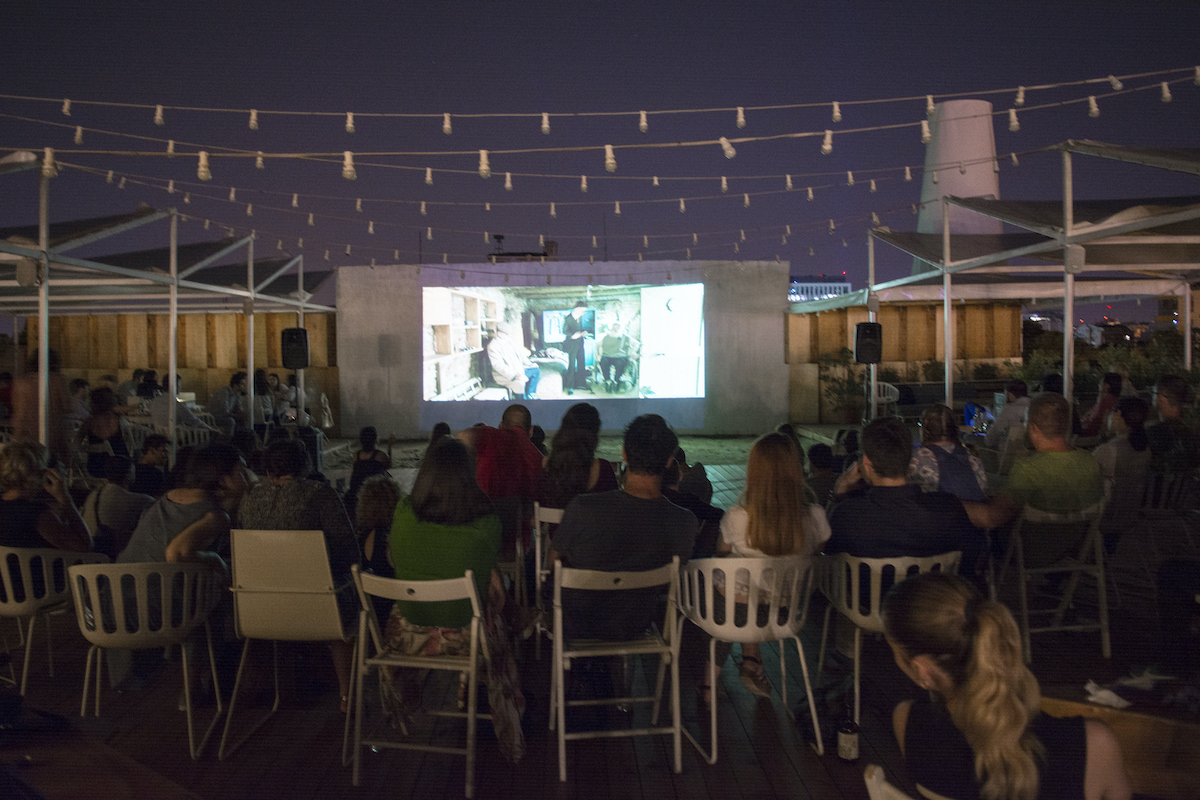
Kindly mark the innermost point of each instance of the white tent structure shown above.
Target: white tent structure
(1102, 249)
(38, 278)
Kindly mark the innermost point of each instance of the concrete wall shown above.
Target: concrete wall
(379, 348)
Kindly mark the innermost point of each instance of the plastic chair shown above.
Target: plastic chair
(185, 436)
(878, 787)
(1082, 526)
(146, 606)
(33, 583)
(886, 398)
(135, 437)
(663, 642)
(859, 597)
(543, 518)
(283, 590)
(782, 586)
(371, 636)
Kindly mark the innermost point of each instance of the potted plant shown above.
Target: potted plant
(842, 382)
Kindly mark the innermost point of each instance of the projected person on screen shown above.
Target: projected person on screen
(511, 367)
(573, 335)
(614, 351)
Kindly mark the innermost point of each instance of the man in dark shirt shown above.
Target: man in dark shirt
(150, 475)
(708, 516)
(1174, 447)
(631, 529)
(893, 517)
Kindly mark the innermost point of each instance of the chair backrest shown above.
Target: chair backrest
(878, 787)
(886, 392)
(543, 515)
(140, 606)
(283, 587)
(436, 591)
(856, 586)
(32, 578)
(779, 588)
(135, 437)
(1161, 492)
(1047, 537)
(598, 580)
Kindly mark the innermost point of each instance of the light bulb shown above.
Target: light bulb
(682, 206)
(371, 226)
(485, 169)
(545, 123)
(295, 201)
(446, 129)
(423, 213)
(171, 187)
(349, 122)
(746, 200)
(837, 111)
(926, 136)
(724, 184)
(429, 176)
(310, 218)
(253, 119)
(583, 183)
(249, 209)
(908, 174)
(1019, 100)
(508, 181)
(429, 233)
(654, 182)
(727, 147)
(741, 117)
(232, 194)
(810, 193)
(594, 245)
(553, 212)
(610, 159)
(258, 160)
(1116, 84)
(66, 108)
(50, 169)
(348, 171)
(202, 171)
(827, 144)
(1013, 124)
(1093, 107)
(78, 134)
(1166, 92)
(158, 116)
(617, 208)
(170, 148)
(849, 178)
(929, 107)
(643, 123)
(872, 185)
(787, 182)
(358, 204)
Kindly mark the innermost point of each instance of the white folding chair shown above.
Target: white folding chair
(33, 583)
(283, 590)
(1082, 527)
(780, 586)
(370, 638)
(146, 606)
(135, 437)
(663, 642)
(543, 518)
(859, 597)
(878, 787)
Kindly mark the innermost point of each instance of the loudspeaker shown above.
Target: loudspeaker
(295, 348)
(868, 343)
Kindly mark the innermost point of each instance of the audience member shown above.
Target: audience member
(280, 398)
(150, 476)
(78, 410)
(440, 429)
(228, 405)
(160, 410)
(707, 515)
(128, 389)
(264, 404)
(1053, 384)
(978, 733)
(632, 529)
(1174, 447)
(377, 500)
(572, 467)
(506, 462)
(287, 501)
(537, 435)
(892, 517)
(1110, 392)
(103, 433)
(26, 406)
(111, 511)
(822, 473)
(6, 387)
(27, 518)
(511, 366)
(108, 382)
(1012, 416)
(148, 389)
(1124, 460)
(693, 478)
(941, 463)
(368, 462)
(773, 518)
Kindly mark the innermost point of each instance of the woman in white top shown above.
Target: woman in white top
(774, 518)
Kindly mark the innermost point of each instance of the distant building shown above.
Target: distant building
(816, 287)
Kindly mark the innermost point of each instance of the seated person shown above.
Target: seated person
(1110, 391)
(941, 463)
(369, 461)
(103, 433)
(1174, 447)
(1053, 384)
(511, 365)
(709, 516)
(112, 511)
(693, 478)
(1124, 460)
(160, 411)
(1011, 416)
(377, 501)
(822, 472)
(36, 508)
(78, 410)
(631, 529)
(892, 517)
(228, 405)
(150, 472)
(979, 733)
(572, 467)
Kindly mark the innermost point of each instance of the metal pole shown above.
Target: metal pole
(1187, 326)
(947, 309)
(249, 313)
(173, 335)
(301, 415)
(1068, 280)
(871, 315)
(44, 312)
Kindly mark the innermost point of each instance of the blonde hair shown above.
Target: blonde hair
(774, 497)
(22, 467)
(377, 499)
(995, 697)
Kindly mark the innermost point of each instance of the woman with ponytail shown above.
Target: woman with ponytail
(979, 734)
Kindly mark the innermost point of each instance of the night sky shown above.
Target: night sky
(563, 59)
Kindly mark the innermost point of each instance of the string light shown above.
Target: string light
(929, 107)
(783, 239)
(995, 165)
(935, 176)
(682, 206)
(583, 183)
(1093, 107)
(507, 182)
(49, 168)
(591, 260)
(594, 246)
(109, 179)
(727, 147)
(617, 208)
(347, 249)
(158, 116)
(1116, 84)
(849, 178)
(787, 183)
(874, 218)
(429, 233)
(746, 200)
(348, 171)
(66, 108)
(249, 209)
(487, 206)
(423, 208)
(446, 129)
(654, 182)
(187, 197)
(349, 122)
(908, 174)
(553, 212)
(253, 119)
(372, 263)
(326, 255)
(872, 186)
(639, 259)
(295, 201)
(645, 241)
(486, 239)
(689, 253)
(485, 169)
(258, 160)
(1166, 92)
(810, 252)
(844, 244)
(429, 176)
(810, 193)
(310, 219)
(610, 158)
(832, 227)
(743, 234)
(1019, 100)
(926, 136)
(170, 148)
(736, 249)
(358, 204)
(1013, 124)
(1014, 160)
(962, 168)
(120, 185)
(545, 123)
(541, 240)
(232, 194)
(741, 117)
(827, 145)
(643, 123)
(724, 184)
(202, 171)
(1195, 80)
(78, 134)
(371, 226)
(171, 187)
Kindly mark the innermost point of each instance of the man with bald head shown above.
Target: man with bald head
(511, 365)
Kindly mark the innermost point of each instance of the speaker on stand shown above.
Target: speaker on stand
(295, 348)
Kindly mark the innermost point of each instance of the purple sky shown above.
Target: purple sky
(559, 58)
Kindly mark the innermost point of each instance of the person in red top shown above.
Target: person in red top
(507, 466)
(1110, 393)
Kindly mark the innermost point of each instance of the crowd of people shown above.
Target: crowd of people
(979, 735)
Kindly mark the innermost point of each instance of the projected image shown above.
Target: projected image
(493, 343)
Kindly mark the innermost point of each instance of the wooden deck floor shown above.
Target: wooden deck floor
(763, 754)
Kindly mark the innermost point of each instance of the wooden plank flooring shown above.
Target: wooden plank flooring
(763, 754)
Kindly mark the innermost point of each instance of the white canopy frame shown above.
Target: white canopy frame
(1166, 272)
(161, 291)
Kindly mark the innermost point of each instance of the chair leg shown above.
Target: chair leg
(824, 636)
(676, 716)
(561, 702)
(87, 677)
(195, 749)
(28, 648)
(1102, 599)
(658, 686)
(49, 645)
(553, 697)
(360, 669)
(99, 672)
(1023, 590)
(472, 713)
(711, 668)
(783, 678)
(223, 752)
(812, 705)
(349, 711)
(857, 675)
